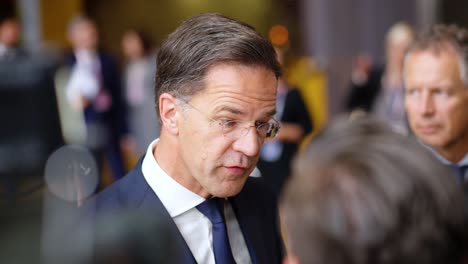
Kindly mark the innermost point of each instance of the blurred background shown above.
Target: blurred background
(332, 32)
(323, 42)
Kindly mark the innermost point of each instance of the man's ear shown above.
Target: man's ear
(168, 113)
(291, 259)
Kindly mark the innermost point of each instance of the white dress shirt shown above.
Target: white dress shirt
(181, 204)
(3, 51)
(84, 79)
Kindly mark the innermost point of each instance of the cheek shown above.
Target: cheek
(458, 117)
(212, 149)
(411, 114)
(452, 112)
(409, 106)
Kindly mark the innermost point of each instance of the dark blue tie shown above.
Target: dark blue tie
(213, 209)
(460, 172)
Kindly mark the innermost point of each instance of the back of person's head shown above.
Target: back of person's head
(362, 194)
(202, 42)
(127, 237)
(445, 38)
(134, 238)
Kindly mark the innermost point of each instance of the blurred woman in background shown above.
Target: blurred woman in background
(139, 90)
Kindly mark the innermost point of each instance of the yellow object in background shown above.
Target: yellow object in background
(312, 82)
(55, 15)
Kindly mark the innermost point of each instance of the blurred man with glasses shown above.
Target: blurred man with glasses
(215, 97)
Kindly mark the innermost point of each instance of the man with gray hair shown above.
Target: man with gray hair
(436, 99)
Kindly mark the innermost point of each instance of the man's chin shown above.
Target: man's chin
(230, 189)
(434, 142)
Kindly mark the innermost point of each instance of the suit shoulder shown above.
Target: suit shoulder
(125, 192)
(256, 183)
(255, 188)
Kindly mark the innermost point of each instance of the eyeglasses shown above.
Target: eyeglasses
(236, 129)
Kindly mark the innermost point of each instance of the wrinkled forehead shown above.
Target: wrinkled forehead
(239, 65)
(446, 56)
(254, 79)
(251, 87)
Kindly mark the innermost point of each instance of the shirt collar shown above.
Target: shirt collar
(176, 198)
(3, 49)
(463, 162)
(86, 57)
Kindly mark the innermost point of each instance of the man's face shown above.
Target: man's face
(436, 99)
(84, 36)
(217, 162)
(132, 46)
(9, 32)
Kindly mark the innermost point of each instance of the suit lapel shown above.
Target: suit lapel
(250, 225)
(256, 215)
(139, 194)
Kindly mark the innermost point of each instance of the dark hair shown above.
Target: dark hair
(4, 19)
(363, 194)
(441, 37)
(203, 41)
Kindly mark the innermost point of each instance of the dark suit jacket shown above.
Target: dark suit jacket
(256, 212)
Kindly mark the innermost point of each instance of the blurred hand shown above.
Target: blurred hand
(80, 103)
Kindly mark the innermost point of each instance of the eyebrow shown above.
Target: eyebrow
(240, 112)
(271, 113)
(229, 109)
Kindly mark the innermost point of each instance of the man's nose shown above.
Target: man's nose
(426, 105)
(248, 143)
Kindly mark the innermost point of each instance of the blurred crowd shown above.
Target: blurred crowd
(89, 100)
(385, 182)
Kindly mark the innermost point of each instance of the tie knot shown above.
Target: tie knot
(460, 171)
(463, 169)
(213, 209)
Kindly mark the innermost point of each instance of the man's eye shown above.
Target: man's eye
(441, 92)
(411, 92)
(228, 123)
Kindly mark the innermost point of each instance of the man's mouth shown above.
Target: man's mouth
(236, 170)
(428, 129)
